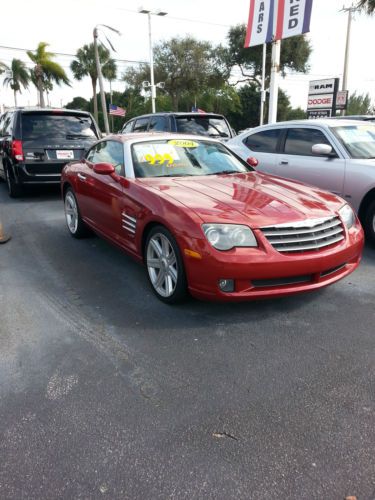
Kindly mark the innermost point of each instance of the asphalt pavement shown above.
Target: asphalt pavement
(105, 392)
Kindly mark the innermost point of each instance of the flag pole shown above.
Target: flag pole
(262, 91)
(274, 86)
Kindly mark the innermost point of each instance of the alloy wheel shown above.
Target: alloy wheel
(162, 265)
(71, 212)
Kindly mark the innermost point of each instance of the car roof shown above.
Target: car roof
(322, 122)
(177, 113)
(35, 109)
(142, 136)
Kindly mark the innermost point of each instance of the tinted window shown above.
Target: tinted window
(141, 125)
(128, 127)
(263, 142)
(299, 141)
(108, 152)
(201, 125)
(56, 126)
(158, 124)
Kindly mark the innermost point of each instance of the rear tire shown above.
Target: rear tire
(369, 223)
(165, 267)
(14, 190)
(77, 228)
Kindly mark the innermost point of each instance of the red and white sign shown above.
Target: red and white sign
(341, 99)
(321, 101)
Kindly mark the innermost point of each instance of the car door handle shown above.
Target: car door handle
(81, 176)
(284, 162)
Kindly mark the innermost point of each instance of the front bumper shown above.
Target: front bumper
(264, 272)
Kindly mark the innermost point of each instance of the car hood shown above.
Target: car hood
(251, 198)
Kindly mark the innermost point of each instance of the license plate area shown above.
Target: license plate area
(64, 154)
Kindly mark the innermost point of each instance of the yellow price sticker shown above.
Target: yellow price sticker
(159, 159)
(181, 143)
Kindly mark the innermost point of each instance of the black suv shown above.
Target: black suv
(210, 124)
(35, 144)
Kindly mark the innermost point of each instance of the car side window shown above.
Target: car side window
(263, 142)
(108, 152)
(141, 125)
(158, 124)
(2, 118)
(128, 127)
(8, 124)
(299, 141)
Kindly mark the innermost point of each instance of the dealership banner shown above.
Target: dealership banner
(271, 20)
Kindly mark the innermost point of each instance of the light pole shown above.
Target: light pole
(100, 75)
(153, 86)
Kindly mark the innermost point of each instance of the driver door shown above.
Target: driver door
(104, 192)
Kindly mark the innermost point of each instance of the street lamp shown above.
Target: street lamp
(99, 71)
(152, 83)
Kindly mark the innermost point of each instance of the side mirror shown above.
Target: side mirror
(322, 150)
(103, 168)
(253, 162)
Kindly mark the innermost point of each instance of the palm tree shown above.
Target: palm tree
(3, 67)
(367, 5)
(19, 75)
(85, 65)
(45, 70)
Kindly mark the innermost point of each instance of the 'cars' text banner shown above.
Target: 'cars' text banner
(271, 20)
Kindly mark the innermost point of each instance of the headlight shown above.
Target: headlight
(227, 236)
(347, 215)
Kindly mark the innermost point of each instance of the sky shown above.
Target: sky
(67, 25)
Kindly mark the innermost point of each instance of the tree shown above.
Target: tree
(185, 65)
(359, 104)
(295, 53)
(367, 5)
(3, 67)
(18, 77)
(46, 71)
(85, 65)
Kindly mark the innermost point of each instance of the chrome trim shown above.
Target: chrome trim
(132, 219)
(312, 234)
(129, 229)
(81, 176)
(125, 223)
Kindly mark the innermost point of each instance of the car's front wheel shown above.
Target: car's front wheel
(76, 226)
(369, 223)
(165, 266)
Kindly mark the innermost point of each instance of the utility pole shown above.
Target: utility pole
(350, 10)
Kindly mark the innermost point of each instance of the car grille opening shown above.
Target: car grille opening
(292, 280)
(333, 270)
(308, 235)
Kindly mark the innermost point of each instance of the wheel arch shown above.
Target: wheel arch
(365, 203)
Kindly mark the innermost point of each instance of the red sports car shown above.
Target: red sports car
(202, 220)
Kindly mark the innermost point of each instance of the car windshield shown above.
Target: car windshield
(182, 157)
(57, 126)
(202, 125)
(359, 140)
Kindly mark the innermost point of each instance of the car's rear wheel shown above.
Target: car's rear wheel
(165, 266)
(369, 223)
(14, 190)
(76, 226)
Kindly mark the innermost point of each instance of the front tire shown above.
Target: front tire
(77, 228)
(165, 267)
(14, 190)
(369, 223)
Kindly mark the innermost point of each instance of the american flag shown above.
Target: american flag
(194, 109)
(116, 110)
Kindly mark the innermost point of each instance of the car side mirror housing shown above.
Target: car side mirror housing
(103, 168)
(253, 162)
(322, 150)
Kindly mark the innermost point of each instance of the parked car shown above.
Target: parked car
(336, 155)
(210, 124)
(203, 220)
(35, 144)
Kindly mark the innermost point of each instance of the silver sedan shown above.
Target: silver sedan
(336, 155)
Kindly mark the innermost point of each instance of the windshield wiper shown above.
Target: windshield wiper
(220, 134)
(77, 136)
(225, 172)
(175, 175)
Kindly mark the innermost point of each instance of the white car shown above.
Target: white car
(335, 155)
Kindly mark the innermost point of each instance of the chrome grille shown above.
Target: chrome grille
(129, 223)
(311, 234)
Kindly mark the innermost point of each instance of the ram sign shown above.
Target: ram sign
(322, 98)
